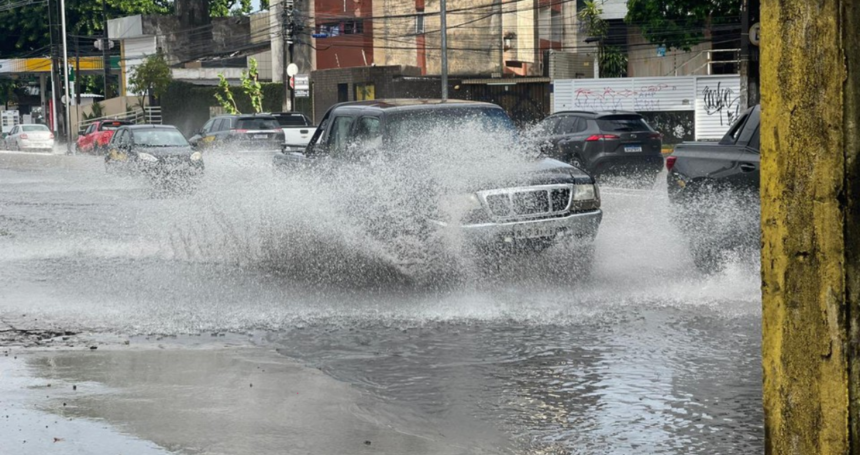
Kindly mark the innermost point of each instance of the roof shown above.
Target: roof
(596, 113)
(262, 114)
(395, 104)
(150, 126)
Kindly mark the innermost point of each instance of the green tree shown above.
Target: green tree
(680, 24)
(25, 28)
(225, 96)
(151, 77)
(612, 60)
(251, 86)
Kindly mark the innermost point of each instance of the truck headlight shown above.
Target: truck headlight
(146, 157)
(584, 192)
(196, 156)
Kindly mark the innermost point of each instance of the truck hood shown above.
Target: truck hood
(540, 171)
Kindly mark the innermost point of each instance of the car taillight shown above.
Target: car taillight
(23, 135)
(670, 162)
(597, 137)
(238, 131)
(656, 136)
(51, 135)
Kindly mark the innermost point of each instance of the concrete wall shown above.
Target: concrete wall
(388, 82)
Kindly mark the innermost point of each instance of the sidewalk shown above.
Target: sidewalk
(209, 397)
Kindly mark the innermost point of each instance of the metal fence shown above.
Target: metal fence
(147, 115)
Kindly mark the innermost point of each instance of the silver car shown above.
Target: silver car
(30, 137)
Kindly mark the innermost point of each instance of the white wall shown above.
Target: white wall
(714, 99)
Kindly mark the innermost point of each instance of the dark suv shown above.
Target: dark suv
(537, 202)
(611, 142)
(255, 130)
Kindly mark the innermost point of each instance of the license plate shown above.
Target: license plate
(633, 148)
(261, 136)
(534, 233)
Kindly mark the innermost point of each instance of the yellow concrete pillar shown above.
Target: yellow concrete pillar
(810, 225)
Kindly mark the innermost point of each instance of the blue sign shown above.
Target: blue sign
(661, 51)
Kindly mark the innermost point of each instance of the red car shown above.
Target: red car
(96, 137)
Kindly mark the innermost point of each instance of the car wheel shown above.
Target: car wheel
(577, 162)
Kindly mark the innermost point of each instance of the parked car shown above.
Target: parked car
(96, 137)
(603, 142)
(157, 151)
(30, 137)
(714, 190)
(545, 201)
(257, 131)
(298, 128)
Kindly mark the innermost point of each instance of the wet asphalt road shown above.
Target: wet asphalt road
(647, 356)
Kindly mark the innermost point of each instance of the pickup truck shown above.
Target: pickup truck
(298, 128)
(440, 188)
(714, 192)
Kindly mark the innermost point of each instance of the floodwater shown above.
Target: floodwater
(645, 356)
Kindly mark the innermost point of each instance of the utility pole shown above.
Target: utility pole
(810, 204)
(444, 31)
(289, 32)
(744, 60)
(66, 70)
(105, 53)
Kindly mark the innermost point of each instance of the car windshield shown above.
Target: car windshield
(292, 120)
(111, 126)
(159, 137)
(405, 125)
(257, 124)
(622, 123)
(34, 128)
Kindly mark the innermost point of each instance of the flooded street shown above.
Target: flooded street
(645, 356)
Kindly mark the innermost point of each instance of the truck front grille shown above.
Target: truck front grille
(527, 202)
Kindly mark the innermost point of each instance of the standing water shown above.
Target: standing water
(524, 355)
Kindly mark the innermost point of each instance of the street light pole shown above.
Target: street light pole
(66, 71)
(444, 30)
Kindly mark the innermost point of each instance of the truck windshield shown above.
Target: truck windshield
(404, 126)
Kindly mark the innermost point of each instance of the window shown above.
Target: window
(367, 133)
(342, 93)
(566, 125)
(622, 123)
(160, 137)
(419, 23)
(34, 128)
(208, 126)
(332, 29)
(126, 138)
(257, 124)
(221, 124)
(735, 130)
(755, 140)
(339, 134)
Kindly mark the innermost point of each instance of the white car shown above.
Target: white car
(30, 137)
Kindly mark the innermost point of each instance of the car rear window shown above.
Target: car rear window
(622, 123)
(34, 128)
(257, 124)
(159, 137)
(112, 126)
(292, 120)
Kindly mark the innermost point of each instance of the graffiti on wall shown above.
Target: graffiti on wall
(609, 99)
(722, 101)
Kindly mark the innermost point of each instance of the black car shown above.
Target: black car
(540, 202)
(153, 150)
(714, 191)
(603, 142)
(258, 131)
